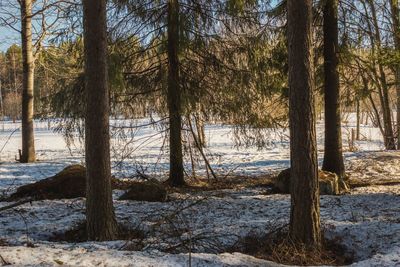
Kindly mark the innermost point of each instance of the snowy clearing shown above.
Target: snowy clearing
(367, 221)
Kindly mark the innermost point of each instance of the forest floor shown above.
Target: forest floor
(198, 227)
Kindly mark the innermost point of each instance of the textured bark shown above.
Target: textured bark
(101, 222)
(333, 154)
(304, 217)
(396, 33)
(28, 65)
(176, 177)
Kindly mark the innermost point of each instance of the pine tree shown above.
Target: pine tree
(305, 218)
(174, 96)
(395, 11)
(100, 217)
(184, 54)
(333, 155)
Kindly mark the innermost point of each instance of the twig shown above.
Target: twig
(198, 145)
(142, 175)
(8, 139)
(230, 171)
(16, 204)
(3, 261)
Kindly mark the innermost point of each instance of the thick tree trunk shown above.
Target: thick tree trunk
(396, 33)
(333, 154)
(305, 219)
(28, 140)
(176, 177)
(101, 222)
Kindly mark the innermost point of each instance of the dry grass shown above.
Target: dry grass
(78, 234)
(278, 247)
(355, 183)
(3, 243)
(231, 182)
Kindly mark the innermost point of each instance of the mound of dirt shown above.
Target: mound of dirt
(329, 183)
(69, 183)
(151, 191)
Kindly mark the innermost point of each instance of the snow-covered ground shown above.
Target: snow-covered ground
(145, 150)
(366, 221)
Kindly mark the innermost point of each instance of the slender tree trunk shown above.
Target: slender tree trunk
(1, 90)
(386, 110)
(358, 119)
(101, 222)
(387, 115)
(1, 101)
(200, 129)
(396, 33)
(333, 154)
(28, 141)
(385, 133)
(14, 70)
(377, 122)
(305, 217)
(176, 177)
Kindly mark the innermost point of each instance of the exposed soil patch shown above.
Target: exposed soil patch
(3, 242)
(67, 184)
(231, 182)
(151, 191)
(78, 234)
(354, 183)
(329, 183)
(278, 247)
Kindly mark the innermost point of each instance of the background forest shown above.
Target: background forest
(144, 126)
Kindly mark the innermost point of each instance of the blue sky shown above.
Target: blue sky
(7, 38)
(7, 35)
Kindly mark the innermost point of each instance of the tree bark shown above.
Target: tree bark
(101, 222)
(333, 153)
(389, 141)
(28, 65)
(305, 217)
(200, 128)
(1, 101)
(358, 112)
(176, 172)
(14, 70)
(394, 4)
